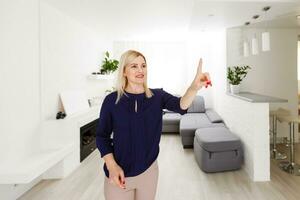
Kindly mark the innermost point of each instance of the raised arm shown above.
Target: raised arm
(172, 103)
(200, 80)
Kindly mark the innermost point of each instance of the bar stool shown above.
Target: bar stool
(274, 114)
(290, 166)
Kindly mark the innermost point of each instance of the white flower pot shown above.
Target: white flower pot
(235, 89)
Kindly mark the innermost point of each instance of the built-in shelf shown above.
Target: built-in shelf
(100, 76)
(85, 116)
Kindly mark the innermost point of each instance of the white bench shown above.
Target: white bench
(27, 170)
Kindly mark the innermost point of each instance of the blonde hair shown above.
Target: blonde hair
(122, 81)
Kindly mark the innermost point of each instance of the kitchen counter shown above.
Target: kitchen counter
(257, 98)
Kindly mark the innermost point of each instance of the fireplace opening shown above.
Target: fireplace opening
(87, 139)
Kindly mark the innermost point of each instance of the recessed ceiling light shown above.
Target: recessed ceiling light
(298, 16)
(266, 8)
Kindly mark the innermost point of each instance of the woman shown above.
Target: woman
(133, 114)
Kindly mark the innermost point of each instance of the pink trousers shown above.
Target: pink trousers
(141, 187)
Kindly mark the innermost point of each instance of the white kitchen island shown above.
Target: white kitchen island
(247, 115)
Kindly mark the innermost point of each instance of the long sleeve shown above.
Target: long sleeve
(172, 103)
(104, 129)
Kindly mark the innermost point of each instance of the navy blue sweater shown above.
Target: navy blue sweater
(133, 137)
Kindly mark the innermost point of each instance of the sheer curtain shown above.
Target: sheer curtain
(167, 64)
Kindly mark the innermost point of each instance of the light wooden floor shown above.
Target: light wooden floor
(179, 179)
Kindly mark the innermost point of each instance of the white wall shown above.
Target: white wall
(273, 73)
(166, 62)
(19, 82)
(19, 77)
(172, 63)
(42, 52)
(210, 46)
(69, 53)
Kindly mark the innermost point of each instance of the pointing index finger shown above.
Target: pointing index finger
(199, 70)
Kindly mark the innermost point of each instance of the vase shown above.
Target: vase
(235, 89)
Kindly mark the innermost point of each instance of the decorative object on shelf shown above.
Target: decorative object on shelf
(95, 73)
(60, 115)
(74, 101)
(108, 65)
(235, 75)
(265, 36)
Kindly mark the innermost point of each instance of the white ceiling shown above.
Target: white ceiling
(123, 19)
(231, 14)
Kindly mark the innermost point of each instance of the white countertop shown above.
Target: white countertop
(257, 98)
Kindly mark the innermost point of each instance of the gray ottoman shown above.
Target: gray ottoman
(216, 149)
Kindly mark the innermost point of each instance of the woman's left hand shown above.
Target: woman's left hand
(201, 79)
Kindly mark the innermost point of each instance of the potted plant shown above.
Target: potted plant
(235, 75)
(108, 65)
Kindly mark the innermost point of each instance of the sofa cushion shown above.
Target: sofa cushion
(195, 120)
(197, 106)
(171, 118)
(216, 139)
(213, 116)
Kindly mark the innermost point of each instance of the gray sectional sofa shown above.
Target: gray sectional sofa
(196, 117)
(215, 147)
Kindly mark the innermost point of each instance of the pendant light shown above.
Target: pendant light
(265, 36)
(246, 49)
(246, 44)
(254, 44)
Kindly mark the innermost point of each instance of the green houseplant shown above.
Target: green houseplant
(235, 75)
(108, 65)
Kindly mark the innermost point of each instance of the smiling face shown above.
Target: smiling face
(136, 71)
